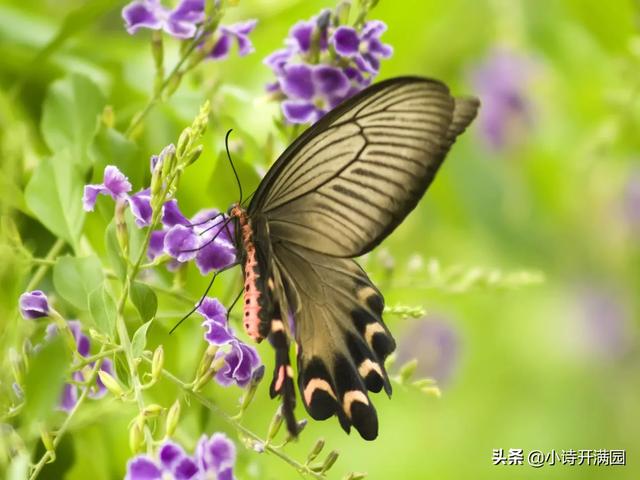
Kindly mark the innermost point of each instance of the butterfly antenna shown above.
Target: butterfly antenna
(226, 146)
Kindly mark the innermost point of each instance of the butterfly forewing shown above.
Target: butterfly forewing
(355, 175)
(335, 193)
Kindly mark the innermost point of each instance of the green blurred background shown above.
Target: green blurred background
(548, 366)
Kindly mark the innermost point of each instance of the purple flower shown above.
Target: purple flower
(434, 342)
(312, 91)
(214, 458)
(172, 216)
(181, 243)
(115, 184)
(238, 32)
(140, 205)
(215, 315)
(240, 363)
(501, 82)
(70, 392)
(34, 305)
(180, 22)
(370, 48)
(312, 78)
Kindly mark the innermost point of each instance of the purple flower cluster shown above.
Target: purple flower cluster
(207, 238)
(241, 361)
(214, 458)
(183, 21)
(322, 65)
(70, 392)
(501, 82)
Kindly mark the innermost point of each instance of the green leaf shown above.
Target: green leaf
(48, 370)
(70, 115)
(75, 278)
(145, 300)
(113, 251)
(54, 195)
(139, 340)
(103, 310)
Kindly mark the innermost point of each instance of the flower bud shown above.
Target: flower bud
(183, 142)
(108, 116)
(408, 369)
(136, 436)
(111, 383)
(250, 392)
(173, 417)
(315, 451)
(207, 358)
(121, 227)
(276, 423)
(97, 336)
(355, 476)
(193, 155)
(157, 363)
(342, 13)
(329, 461)
(152, 410)
(433, 391)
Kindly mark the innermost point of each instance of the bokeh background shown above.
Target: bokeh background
(546, 183)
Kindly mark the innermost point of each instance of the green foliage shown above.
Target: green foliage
(76, 278)
(103, 310)
(139, 340)
(145, 300)
(43, 383)
(52, 195)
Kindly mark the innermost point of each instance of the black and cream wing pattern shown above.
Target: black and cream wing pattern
(341, 188)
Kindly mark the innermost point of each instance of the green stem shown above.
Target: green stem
(47, 262)
(89, 360)
(48, 455)
(301, 468)
(158, 92)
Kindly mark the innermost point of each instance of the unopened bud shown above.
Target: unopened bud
(121, 227)
(111, 383)
(108, 116)
(329, 461)
(355, 476)
(274, 426)
(157, 49)
(152, 410)
(432, 391)
(173, 417)
(207, 358)
(157, 363)
(194, 155)
(315, 451)
(342, 13)
(250, 392)
(136, 436)
(408, 369)
(183, 142)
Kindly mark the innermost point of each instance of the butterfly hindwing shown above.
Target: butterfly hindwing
(342, 340)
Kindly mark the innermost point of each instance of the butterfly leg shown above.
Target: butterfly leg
(282, 383)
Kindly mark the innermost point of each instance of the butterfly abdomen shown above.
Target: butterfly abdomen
(253, 294)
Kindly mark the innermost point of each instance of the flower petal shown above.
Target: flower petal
(214, 256)
(330, 81)
(156, 244)
(116, 182)
(297, 82)
(300, 112)
(181, 243)
(142, 14)
(212, 309)
(300, 35)
(143, 468)
(221, 48)
(189, 11)
(69, 397)
(140, 205)
(170, 454)
(346, 41)
(171, 215)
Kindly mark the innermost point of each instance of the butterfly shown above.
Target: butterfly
(335, 193)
